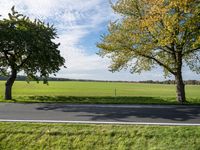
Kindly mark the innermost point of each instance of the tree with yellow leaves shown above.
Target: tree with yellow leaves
(155, 32)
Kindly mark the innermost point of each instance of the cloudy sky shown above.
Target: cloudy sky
(79, 25)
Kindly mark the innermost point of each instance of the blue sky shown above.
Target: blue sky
(79, 24)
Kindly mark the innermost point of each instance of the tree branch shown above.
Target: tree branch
(24, 61)
(6, 56)
(159, 62)
(191, 51)
(11, 61)
(153, 58)
(165, 50)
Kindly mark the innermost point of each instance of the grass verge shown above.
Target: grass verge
(89, 137)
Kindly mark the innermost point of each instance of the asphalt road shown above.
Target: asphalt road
(127, 114)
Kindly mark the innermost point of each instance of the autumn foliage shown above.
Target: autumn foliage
(155, 32)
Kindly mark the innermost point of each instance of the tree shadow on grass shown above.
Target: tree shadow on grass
(100, 100)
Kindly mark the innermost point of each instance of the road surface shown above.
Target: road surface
(117, 114)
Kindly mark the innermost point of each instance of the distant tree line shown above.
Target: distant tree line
(188, 82)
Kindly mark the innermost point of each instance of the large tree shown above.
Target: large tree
(155, 32)
(27, 46)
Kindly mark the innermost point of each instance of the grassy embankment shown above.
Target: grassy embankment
(89, 137)
(99, 93)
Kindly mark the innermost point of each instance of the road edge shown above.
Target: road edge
(102, 122)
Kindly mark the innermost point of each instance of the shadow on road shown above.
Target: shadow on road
(124, 114)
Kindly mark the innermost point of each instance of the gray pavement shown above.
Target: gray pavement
(127, 114)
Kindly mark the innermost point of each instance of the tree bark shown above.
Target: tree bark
(180, 88)
(9, 84)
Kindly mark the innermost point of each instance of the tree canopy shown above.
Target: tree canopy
(28, 46)
(155, 32)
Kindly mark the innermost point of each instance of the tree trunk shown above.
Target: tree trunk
(180, 88)
(9, 84)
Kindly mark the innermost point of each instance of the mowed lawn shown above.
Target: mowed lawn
(37, 136)
(101, 92)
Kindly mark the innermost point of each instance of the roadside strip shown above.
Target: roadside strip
(102, 122)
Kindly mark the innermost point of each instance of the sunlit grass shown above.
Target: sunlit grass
(99, 92)
(20, 136)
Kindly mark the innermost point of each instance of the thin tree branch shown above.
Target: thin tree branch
(24, 61)
(191, 51)
(165, 50)
(159, 62)
(153, 58)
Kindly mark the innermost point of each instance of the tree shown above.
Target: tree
(155, 32)
(27, 46)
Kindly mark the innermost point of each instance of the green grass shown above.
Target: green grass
(37, 136)
(99, 93)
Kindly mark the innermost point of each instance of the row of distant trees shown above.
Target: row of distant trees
(188, 82)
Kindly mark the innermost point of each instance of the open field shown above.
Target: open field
(89, 137)
(99, 92)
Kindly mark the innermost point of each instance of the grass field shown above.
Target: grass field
(37, 136)
(99, 92)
